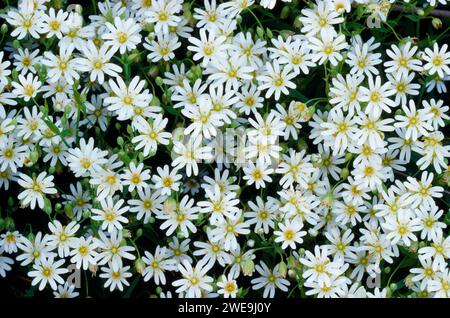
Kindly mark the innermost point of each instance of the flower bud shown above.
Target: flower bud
(86, 214)
(409, 282)
(139, 233)
(282, 269)
(260, 32)
(78, 8)
(68, 210)
(16, 44)
(285, 12)
(345, 173)
(313, 232)
(420, 12)
(292, 274)
(437, 23)
(34, 156)
(4, 28)
(297, 22)
(248, 267)
(250, 243)
(153, 72)
(139, 265)
(93, 269)
(47, 206)
(159, 81)
(120, 141)
(413, 247)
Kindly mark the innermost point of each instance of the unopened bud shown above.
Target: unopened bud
(345, 173)
(248, 267)
(153, 72)
(4, 28)
(292, 274)
(250, 243)
(34, 156)
(139, 265)
(282, 269)
(437, 23)
(16, 44)
(260, 32)
(285, 12)
(158, 81)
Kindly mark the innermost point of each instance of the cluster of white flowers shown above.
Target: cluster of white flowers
(112, 131)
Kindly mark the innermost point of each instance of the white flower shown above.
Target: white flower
(135, 176)
(26, 21)
(111, 214)
(9, 241)
(403, 60)
(163, 48)
(123, 35)
(116, 278)
(61, 65)
(36, 251)
(270, 280)
(83, 252)
(437, 60)
(228, 229)
(276, 80)
(320, 20)
(415, 121)
(54, 23)
(35, 189)
(194, 281)
(149, 202)
(180, 216)
(96, 62)
(86, 159)
(151, 134)
(47, 272)
(62, 236)
(209, 48)
(111, 249)
(127, 97)
(189, 154)
(228, 286)
(258, 174)
(157, 264)
(66, 291)
(27, 88)
(289, 233)
(377, 95)
(163, 13)
(327, 48)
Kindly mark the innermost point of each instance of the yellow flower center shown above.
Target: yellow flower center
(54, 25)
(122, 37)
(47, 272)
(289, 234)
(28, 90)
(438, 60)
(83, 250)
